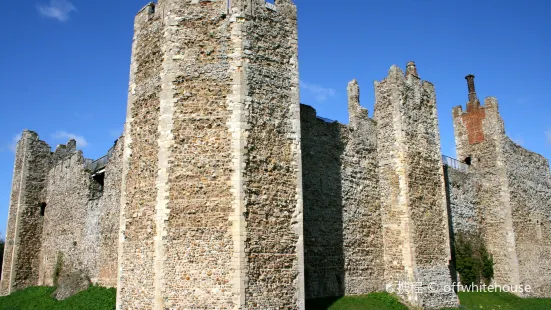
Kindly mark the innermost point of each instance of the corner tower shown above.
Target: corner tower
(411, 183)
(211, 210)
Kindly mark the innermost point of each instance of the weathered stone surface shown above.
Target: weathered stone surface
(463, 204)
(21, 260)
(509, 196)
(71, 284)
(212, 202)
(342, 223)
(64, 213)
(411, 184)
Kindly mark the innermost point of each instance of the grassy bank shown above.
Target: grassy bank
(469, 301)
(98, 298)
(34, 298)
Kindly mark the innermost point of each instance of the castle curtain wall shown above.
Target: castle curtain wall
(529, 182)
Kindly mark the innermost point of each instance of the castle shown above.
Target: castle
(224, 192)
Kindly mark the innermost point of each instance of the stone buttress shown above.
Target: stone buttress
(411, 184)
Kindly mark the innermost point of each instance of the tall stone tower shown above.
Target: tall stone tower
(24, 231)
(480, 140)
(211, 209)
(411, 184)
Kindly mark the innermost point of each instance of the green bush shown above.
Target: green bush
(474, 263)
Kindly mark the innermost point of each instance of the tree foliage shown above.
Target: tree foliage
(474, 263)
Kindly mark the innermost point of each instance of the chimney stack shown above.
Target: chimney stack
(411, 69)
(472, 92)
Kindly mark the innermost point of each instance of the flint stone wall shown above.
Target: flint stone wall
(212, 202)
(529, 181)
(20, 267)
(81, 220)
(463, 204)
(342, 224)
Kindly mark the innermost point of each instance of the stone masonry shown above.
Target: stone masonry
(411, 180)
(225, 193)
(59, 209)
(211, 209)
(512, 190)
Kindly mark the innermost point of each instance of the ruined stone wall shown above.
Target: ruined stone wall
(529, 181)
(20, 267)
(414, 213)
(81, 220)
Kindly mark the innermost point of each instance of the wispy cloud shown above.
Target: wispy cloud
(63, 135)
(56, 9)
(13, 144)
(548, 135)
(320, 93)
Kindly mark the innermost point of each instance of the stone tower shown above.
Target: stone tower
(479, 138)
(23, 238)
(411, 184)
(211, 206)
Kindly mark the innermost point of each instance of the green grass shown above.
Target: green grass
(99, 298)
(33, 298)
(379, 301)
(501, 301)
(469, 301)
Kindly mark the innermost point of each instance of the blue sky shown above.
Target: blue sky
(64, 66)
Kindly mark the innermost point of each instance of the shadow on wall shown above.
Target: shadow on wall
(452, 266)
(322, 148)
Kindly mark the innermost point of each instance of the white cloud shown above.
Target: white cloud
(57, 9)
(320, 93)
(63, 135)
(548, 135)
(13, 144)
